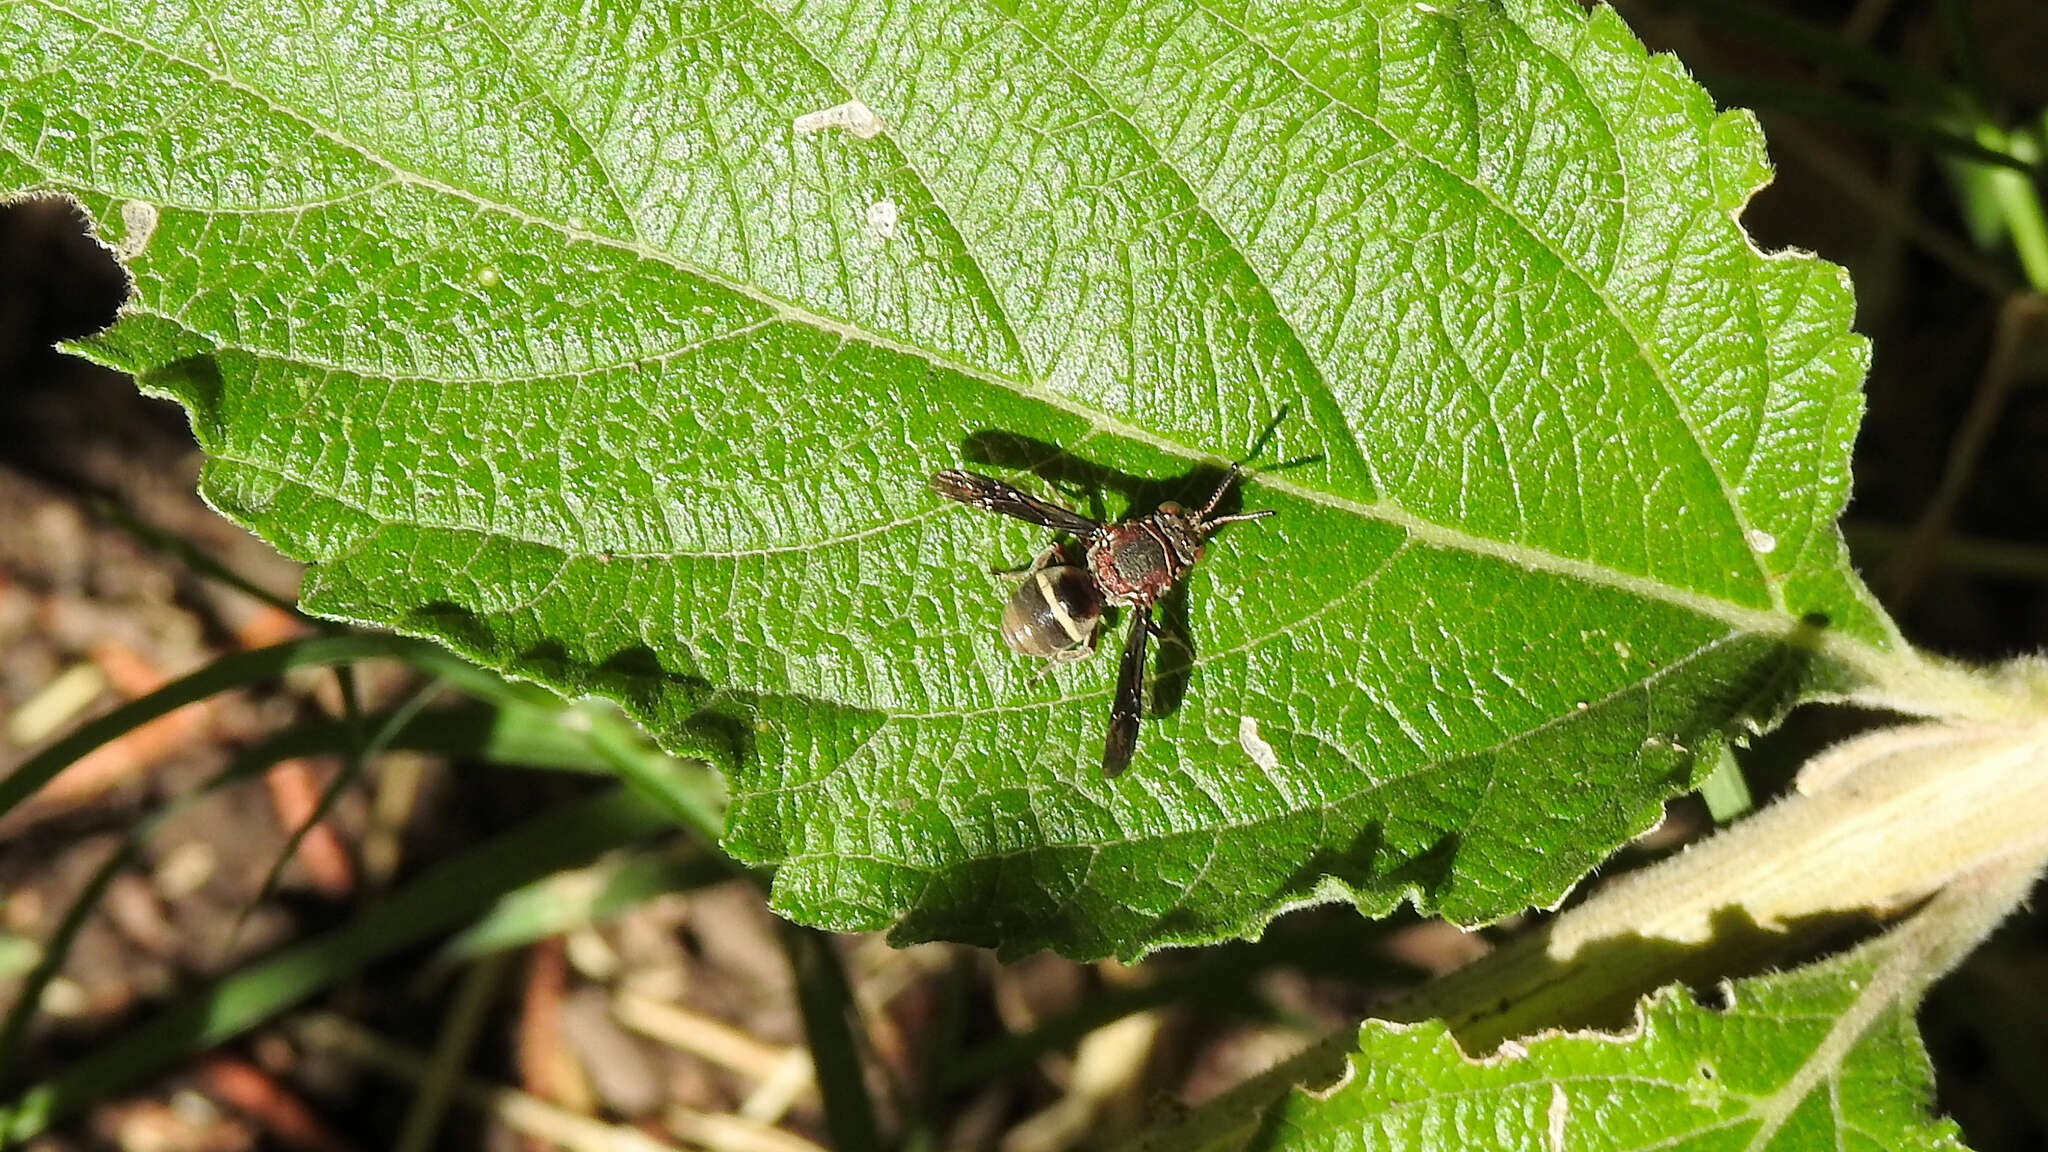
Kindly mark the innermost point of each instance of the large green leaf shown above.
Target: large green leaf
(544, 330)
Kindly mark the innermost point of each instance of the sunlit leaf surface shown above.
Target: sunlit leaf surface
(1796, 1061)
(564, 334)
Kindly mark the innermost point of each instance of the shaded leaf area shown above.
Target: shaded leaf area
(1793, 1061)
(547, 334)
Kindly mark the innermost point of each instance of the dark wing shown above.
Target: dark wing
(996, 496)
(1130, 695)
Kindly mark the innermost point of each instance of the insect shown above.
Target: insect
(1055, 612)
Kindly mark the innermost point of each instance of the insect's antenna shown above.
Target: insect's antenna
(1229, 477)
(1237, 518)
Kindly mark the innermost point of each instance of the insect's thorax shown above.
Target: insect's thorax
(1136, 561)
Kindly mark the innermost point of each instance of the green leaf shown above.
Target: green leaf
(1823, 1057)
(544, 331)
(1793, 1061)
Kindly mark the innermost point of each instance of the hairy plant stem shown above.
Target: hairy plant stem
(1878, 823)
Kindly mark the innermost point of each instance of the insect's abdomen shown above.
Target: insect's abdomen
(1053, 614)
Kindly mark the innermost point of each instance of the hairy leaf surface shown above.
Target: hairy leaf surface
(1794, 1061)
(545, 330)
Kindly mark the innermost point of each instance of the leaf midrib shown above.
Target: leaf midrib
(1522, 556)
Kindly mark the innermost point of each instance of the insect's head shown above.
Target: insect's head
(1180, 523)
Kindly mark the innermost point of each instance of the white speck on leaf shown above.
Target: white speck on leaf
(1254, 746)
(858, 119)
(489, 277)
(880, 219)
(1760, 541)
(1560, 1110)
(138, 224)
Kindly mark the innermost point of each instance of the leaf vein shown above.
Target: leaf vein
(1654, 362)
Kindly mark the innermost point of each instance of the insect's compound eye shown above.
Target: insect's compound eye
(1172, 509)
